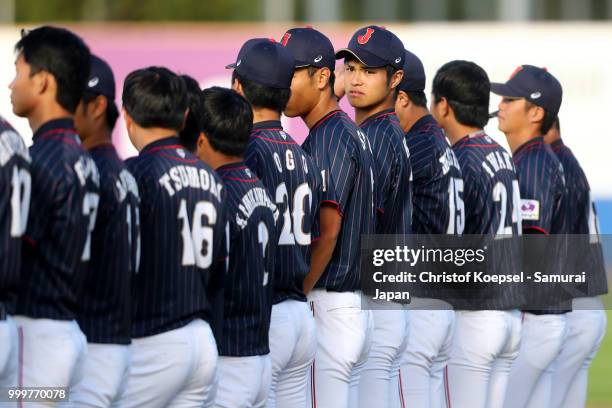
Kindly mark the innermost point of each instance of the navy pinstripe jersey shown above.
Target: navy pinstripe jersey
(105, 297)
(491, 190)
(15, 193)
(57, 242)
(181, 232)
(491, 196)
(252, 217)
(542, 185)
(343, 155)
(544, 210)
(292, 179)
(437, 184)
(582, 217)
(393, 180)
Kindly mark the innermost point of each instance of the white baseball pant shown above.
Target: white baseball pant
(482, 338)
(172, 369)
(586, 329)
(380, 375)
(531, 375)
(344, 333)
(105, 375)
(51, 354)
(422, 370)
(293, 344)
(243, 382)
(8, 353)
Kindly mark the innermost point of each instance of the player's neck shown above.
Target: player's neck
(264, 115)
(215, 159)
(455, 131)
(45, 113)
(147, 136)
(99, 138)
(519, 138)
(416, 113)
(327, 103)
(361, 114)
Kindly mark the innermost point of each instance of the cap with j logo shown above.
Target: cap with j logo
(375, 47)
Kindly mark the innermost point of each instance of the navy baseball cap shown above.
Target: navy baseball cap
(265, 61)
(101, 80)
(375, 47)
(310, 48)
(536, 85)
(414, 74)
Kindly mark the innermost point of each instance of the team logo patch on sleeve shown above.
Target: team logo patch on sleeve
(530, 210)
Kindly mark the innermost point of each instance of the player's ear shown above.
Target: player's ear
(237, 86)
(98, 107)
(403, 100)
(536, 114)
(396, 78)
(322, 77)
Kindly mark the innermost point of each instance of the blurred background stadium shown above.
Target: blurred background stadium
(572, 38)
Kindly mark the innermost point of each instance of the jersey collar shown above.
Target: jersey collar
(62, 125)
(239, 165)
(424, 121)
(268, 125)
(377, 115)
(167, 142)
(532, 142)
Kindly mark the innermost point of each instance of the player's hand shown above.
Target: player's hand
(339, 83)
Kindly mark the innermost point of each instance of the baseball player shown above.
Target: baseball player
(485, 341)
(244, 368)
(104, 298)
(437, 209)
(531, 101)
(51, 73)
(586, 323)
(173, 351)
(291, 178)
(15, 186)
(343, 155)
(373, 66)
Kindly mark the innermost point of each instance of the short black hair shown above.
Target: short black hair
(155, 97)
(190, 133)
(467, 88)
(262, 96)
(226, 120)
(332, 76)
(112, 113)
(417, 97)
(61, 53)
(548, 121)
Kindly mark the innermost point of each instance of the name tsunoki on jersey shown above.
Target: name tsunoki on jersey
(57, 242)
(15, 195)
(252, 237)
(293, 181)
(105, 297)
(182, 223)
(342, 153)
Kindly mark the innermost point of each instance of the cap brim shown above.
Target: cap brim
(366, 58)
(231, 66)
(301, 64)
(505, 90)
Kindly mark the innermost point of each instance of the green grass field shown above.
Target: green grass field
(600, 375)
